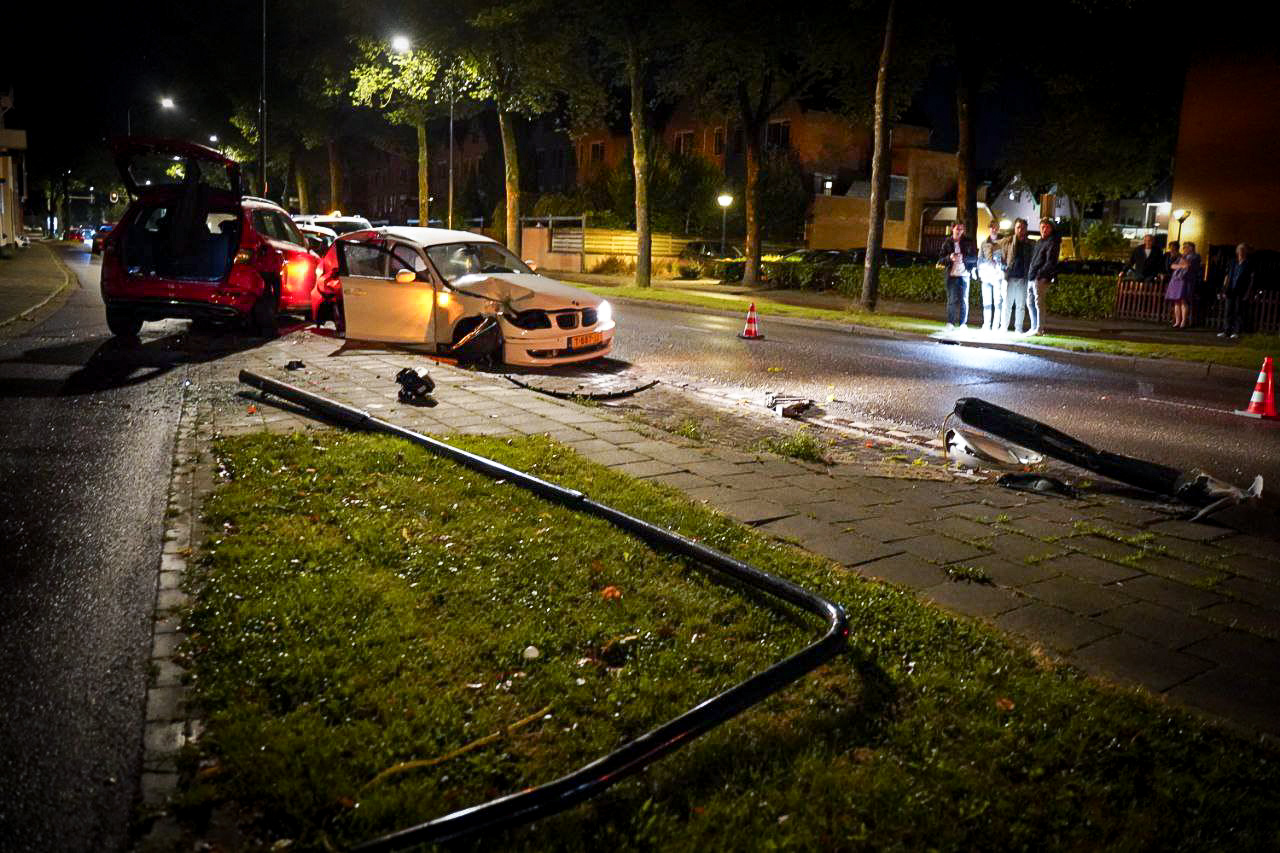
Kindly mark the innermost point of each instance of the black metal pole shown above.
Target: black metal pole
(632, 757)
(262, 110)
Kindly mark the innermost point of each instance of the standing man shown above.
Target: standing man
(1236, 288)
(1145, 263)
(959, 257)
(991, 274)
(1017, 262)
(1043, 271)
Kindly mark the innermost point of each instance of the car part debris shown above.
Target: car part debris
(631, 757)
(1194, 487)
(1039, 483)
(294, 365)
(415, 387)
(580, 395)
(788, 407)
(973, 450)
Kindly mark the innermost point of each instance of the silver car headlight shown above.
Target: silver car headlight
(604, 313)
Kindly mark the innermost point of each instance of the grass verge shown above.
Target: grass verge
(380, 637)
(1248, 353)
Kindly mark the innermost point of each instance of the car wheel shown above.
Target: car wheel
(265, 316)
(123, 323)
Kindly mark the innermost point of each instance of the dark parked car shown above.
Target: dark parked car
(100, 237)
(895, 258)
(192, 245)
(704, 250)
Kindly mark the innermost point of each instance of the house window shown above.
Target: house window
(778, 135)
(684, 142)
(717, 141)
(597, 152)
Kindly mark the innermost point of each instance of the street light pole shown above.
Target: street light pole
(1181, 216)
(725, 200)
(450, 155)
(262, 110)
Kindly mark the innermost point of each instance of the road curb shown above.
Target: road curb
(67, 277)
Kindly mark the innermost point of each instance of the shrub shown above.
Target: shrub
(613, 265)
(1088, 297)
(689, 271)
(1102, 242)
(724, 271)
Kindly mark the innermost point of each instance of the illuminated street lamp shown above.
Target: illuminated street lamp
(1182, 216)
(166, 103)
(725, 200)
(401, 44)
(213, 137)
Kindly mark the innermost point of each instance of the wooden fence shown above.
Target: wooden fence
(1144, 300)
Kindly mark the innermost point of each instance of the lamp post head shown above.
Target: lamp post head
(401, 43)
(213, 137)
(725, 199)
(166, 103)
(1181, 215)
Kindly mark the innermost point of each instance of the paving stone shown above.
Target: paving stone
(1159, 624)
(1239, 614)
(1252, 546)
(592, 445)
(754, 510)
(939, 549)
(1249, 653)
(1100, 547)
(1254, 592)
(157, 787)
(1135, 516)
(1091, 568)
(1252, 566)
(974, 599)
(1235, 695)
(715, 495)
(883, 529)
(984, 513)
(751, 480)
(683, 480)
(1179, 596)
(1126, 658)
(614, 456)
(1011, 546)
(798, 528)
(856, 496)
(165, 704)
(904, 570)
(165, 644)
(1205, 553)
(958, 528)
(1086, 599)
(1196, 532)
(1053, 627)
(835, 511)
(1178, 570)
(712, 468)
(1009, 573)
(163, 740)
(647, 468)
(849, 549)
(1038, 528)
(673, 454)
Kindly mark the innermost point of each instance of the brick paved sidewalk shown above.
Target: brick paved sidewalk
(1113, 586)
(28, 280)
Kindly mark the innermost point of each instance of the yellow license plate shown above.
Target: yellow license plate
(584, 341)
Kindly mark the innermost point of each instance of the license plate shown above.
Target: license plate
(584, 341)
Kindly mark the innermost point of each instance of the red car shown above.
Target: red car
(100, 237)
(192, 245)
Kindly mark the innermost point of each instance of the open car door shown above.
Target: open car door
(385, 293)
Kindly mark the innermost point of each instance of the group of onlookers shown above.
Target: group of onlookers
(1014, 272)
(1183, 269)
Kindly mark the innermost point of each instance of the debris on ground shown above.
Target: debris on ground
(785, 406)
(296, 364)
(1039, 483)
(415, 387)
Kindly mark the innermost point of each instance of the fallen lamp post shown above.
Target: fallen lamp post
(632, 757)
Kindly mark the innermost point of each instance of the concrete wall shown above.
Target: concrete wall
(1225, 166)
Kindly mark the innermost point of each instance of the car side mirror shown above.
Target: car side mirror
(406, 276)
(530, 264)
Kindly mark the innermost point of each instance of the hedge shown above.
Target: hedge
(1086, 297)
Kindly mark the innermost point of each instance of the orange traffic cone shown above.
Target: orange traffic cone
(1263, 402)
(752, 331)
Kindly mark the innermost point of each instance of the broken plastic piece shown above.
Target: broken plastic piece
(294, 365)
(415, 387)
(1038, 483)
(973, 450)
(788, 407)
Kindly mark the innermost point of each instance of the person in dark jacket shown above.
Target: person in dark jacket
(1172, 254)
(1146, 262)
(958, 259)
(1236, 288)
(1017, 261)
(1042, 272)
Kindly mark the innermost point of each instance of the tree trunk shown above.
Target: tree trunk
(511, 171)
(1075, 227)
(966, 192)
(335, 175)
(881, 165)
(751, 271)
(424, 185)
(300, 181)
(640, 164)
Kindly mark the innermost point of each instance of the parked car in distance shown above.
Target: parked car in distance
(894, 258)
(335, 222)
(192, 245)
(319, 238)
(100, 236)
(458, 294)
(704, 250)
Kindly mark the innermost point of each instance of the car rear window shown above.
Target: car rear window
(153, 170)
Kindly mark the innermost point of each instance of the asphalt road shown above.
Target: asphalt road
(86, 438)
(1177, 421)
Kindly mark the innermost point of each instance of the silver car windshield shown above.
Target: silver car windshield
(457, 260)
